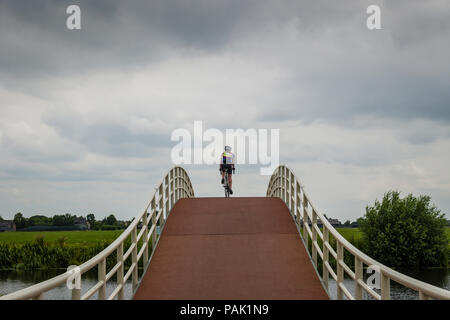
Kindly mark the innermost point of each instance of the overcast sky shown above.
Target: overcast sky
(86, 115)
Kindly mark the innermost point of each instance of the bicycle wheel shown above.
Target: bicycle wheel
(225, 186)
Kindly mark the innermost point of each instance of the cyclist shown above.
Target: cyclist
(227, 163)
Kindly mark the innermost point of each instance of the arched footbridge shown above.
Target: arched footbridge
(182, 247)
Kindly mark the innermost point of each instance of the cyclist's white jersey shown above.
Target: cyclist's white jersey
(227, 158)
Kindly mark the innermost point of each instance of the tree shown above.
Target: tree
(20, 221)
(63, 220)
(347, 223)
(1, 218)
(405, 232)
(40, 220)
(111, 220)
(91, 219)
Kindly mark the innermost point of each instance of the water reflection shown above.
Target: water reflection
(11, 281)
(436, 277)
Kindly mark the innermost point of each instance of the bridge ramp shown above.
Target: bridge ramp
(226, 249)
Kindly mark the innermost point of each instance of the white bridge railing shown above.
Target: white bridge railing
(285, 185)
(175, 185)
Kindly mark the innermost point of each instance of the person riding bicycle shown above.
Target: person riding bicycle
(227, 163)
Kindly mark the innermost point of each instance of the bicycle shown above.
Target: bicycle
(225, 184)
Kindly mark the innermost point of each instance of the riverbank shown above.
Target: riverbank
(55, 250)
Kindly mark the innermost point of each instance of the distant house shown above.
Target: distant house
(7, 225)
(335, 222)
(81, 221)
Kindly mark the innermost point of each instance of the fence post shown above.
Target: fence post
(39, 297)
(286, 187)
(154, 230)
(134, 258)
(120, 295)
(76, 294)
(305, 220)
(102, 277)
(385, 286)
(314, 236)
(161, 204)
(145, 238)
(326, 238)
(358, 276)
(423, 296)
(297, 205)
(167, 198)
(340, 269)
(292, 197)
(279, 183)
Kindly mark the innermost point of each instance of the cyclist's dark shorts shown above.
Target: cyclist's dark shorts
(228, 167)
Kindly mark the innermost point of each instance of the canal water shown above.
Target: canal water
(11, 281)
(437, 277)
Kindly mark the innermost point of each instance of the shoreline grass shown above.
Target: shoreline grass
(70, 237)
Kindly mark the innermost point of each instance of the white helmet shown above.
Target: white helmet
(227, 148)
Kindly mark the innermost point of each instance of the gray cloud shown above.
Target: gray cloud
(359, 111)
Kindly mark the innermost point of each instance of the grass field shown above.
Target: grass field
(356, 234)
(71, 237)
(349, 233)
(87, 237)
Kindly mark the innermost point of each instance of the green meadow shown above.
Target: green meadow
(58, 249)
(70, 237)
(355, 234)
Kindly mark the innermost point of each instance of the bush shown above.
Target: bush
(405, 232)
(39, 254)
(109, 227)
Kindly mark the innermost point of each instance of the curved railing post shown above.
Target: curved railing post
(385, 286)
(145, 236)
(76, 294)
(297, 205)
(326, 239)
(285, 185)
(154, 221)
(340, 270)
(314, 237)
(358, 278)
(305, 220)
(102, 279)
(120, 272)
(134, 263)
